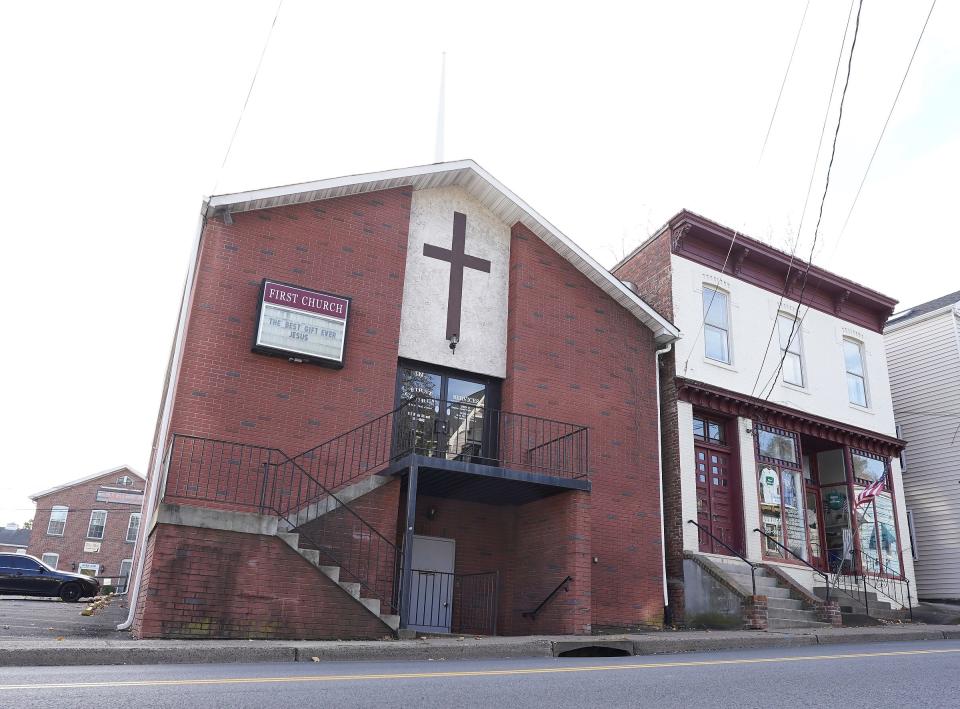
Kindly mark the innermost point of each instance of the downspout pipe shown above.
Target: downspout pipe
(663, 521)
(155, 473)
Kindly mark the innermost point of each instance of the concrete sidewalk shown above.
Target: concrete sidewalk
(98, 651)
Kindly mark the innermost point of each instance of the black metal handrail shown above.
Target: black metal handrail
(799, 558)
(753, 567)
(565, 585)
(245, 477)
(477, 434)
(882, 581)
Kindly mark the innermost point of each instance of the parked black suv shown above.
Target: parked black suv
(22, 575)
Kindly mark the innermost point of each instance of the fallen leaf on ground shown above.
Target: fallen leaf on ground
(315, 659)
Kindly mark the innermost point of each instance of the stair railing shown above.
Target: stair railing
(799, 558)
(878, 577)
(753, 567)
(565, 585)
(258, 479)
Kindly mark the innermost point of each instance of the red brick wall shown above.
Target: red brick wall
(533, 547)
(353, 246)
(208, 583)
(650, 270)
(574, 355)
(81, 500)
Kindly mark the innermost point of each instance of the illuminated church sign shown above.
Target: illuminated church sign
(301, 325)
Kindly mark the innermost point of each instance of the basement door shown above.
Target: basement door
(431, 597)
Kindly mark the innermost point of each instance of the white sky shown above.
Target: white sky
(606, 117)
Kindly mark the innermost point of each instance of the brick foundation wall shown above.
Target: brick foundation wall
(755, 612)
(574, 355)
(207, 583)
(81, 500)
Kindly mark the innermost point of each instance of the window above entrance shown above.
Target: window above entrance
(709, 429)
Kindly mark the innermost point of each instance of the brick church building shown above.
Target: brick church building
(402, 400)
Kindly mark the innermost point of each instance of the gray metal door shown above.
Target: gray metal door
(431, 594)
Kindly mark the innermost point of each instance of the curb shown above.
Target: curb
(79, 653)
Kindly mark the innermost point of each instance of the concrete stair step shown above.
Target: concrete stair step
(792, 614)
(372, 604)
(393, 621)
(311, 555)
(292, 539)
(332, 572)
(778, 624)
(352, 588)
(785, 604)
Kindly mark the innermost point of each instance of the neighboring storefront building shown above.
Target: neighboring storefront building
(402, 399)
(923, 350)
(90, 525)
(774, 426)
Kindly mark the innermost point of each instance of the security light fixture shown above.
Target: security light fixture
(454, 341)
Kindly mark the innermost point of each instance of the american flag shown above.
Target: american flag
(872, 490)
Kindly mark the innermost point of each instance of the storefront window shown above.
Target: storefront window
(887, 531)
(773, 444)
(867, 467)
(836, 527)
(794, 514)
(770, 509)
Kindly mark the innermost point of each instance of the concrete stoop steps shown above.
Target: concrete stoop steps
(292, 539)
(345, 495)
(854, 612)
(786, 609)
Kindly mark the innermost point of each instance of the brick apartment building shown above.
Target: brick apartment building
(477, 453)
(90, 525)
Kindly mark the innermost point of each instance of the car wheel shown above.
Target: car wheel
(70, 592)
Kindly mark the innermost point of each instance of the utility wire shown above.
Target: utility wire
(786, 73)
(736, 233)
(823, 199)
(886, 122)
(806, 201)
(243, 110)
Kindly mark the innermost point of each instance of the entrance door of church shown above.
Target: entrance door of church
(450, 413)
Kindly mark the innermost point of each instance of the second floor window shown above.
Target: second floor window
(856, 374)
(98, 522)
(133, 526)
(716, 324)
(58, 520)
(788, 329)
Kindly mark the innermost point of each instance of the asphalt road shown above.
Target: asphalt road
(43, 618)
(920, 674)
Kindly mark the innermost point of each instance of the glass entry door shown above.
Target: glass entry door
(449, 414)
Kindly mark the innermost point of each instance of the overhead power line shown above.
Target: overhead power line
(783, 83)
(806, 200)
(826, 188)
(243, 110)
(886, 122)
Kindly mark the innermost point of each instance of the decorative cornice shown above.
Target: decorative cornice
(736, 404)
(705, 242)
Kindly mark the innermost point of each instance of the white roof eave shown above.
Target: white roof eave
(494, 195)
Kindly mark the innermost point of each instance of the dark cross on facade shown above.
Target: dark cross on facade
(459, 260)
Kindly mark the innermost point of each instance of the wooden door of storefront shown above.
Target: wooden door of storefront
(717, 501)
